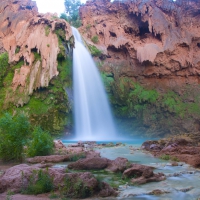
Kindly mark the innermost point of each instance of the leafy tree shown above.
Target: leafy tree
(14, 132)
(41, 144)
(72, 10)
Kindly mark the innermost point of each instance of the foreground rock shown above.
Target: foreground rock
(87, 184)
(55, 158)
(61, 149)
(17, 178)
(89, 163)
(4, 196)
(177, 149)
(141, 174)
(118, 165)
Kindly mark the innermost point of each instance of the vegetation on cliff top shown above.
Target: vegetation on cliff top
(72, 10)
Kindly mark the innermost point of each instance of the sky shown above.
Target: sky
(53, 6)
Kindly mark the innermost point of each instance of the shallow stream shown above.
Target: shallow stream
(182, 182)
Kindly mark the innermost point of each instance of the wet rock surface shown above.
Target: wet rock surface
(18, 177)
(89, 163)
(118, 165)
(141, 174)
(180, 149)
(53, 158)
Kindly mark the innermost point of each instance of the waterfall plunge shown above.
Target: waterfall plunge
(93, 118)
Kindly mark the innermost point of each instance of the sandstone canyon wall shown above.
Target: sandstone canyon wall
(150, 61)
(36, 48)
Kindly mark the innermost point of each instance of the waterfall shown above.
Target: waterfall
(93, 118)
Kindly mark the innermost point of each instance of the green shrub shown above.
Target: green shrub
(165, 157)
(175, 159)
(14, 132)
(94, 51)
(47, 30)
(77, 157)
(41, 144)
(39, 182)
(3, 65)
(17, 50)
(95, 39)
(61, 33)
(88, 26)
(76, 189)
(53, 196)
(145, 95)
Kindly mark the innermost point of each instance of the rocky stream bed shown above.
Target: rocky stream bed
(110, 170)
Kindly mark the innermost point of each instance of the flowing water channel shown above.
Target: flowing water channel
(179, 178)
(93, 118)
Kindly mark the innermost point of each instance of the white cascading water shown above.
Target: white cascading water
(93, 118)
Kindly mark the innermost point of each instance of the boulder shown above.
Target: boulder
(169, 148)
(4, 196)
(141, 174)
(174, 163)
(107, 191)
(118, 165)
(181, 141)
(53, 158)
(193, 160)
(12, 178)
(86, 177)
(153, 178)
(155, 147)
(59, 145)
(148, 145)
(17, 177)
(89, 163)
(138, 170)
(85, 183)
(61, 149)
(76, 145)
(92, 154)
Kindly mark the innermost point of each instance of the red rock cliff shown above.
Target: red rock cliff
(154, 38)
(155, 43)
(24, 33)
